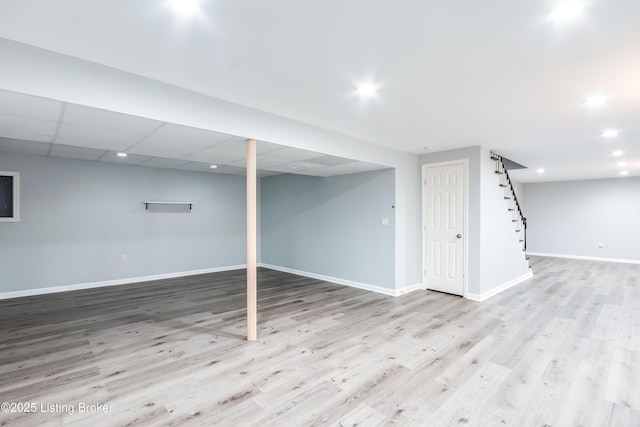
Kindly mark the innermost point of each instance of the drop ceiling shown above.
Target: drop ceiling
(33, 125)
(450, 74)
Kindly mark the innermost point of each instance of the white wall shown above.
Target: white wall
(494, 256)
(42, 73)
(501, 256)
(79, 217)
(573, 217)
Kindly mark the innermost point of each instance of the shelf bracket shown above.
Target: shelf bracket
(150, 202)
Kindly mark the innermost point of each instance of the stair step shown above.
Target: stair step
(521, 241)
(517, 231)
(503, 185)
(510, 209)
(499, 173)
(507, 198)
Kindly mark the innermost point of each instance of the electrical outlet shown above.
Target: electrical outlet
(124, 258)
(601, 245)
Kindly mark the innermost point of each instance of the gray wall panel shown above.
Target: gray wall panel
(331, 226)
(79, 217)
(573, 217)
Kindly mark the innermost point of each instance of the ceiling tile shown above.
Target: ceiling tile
(297, 168)
(204, 167)
(261, 163)
(25, 135)
(80, 153)
(24, 147)
(13, 125)
(348, 168)
(293, 167)
(194, 166)
(289, 154)
(145, 150)
(200, 137)
(107, 120)
(239, 144)
(33, 107)
(94, 138)
(131, 159)
(215, 156)
(303, 165)
(164, 148)
(329, 160)
(160, 162)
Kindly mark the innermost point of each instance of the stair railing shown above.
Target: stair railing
(510, 194)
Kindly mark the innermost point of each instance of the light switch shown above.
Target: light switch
(385, 220)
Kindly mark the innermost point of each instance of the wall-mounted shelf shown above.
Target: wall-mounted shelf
(148, 202)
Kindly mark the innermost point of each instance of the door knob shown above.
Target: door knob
(459, 236)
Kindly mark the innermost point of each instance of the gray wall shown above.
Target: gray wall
(331, 226)
(518, 187)
(79, 217)
(572, 217)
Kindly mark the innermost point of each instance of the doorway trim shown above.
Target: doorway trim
(465, 222)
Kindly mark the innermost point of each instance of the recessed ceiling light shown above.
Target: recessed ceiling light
(367, 89)
(185, 6)
(540, 170)
(621, 164)
(610, 133)
(121, 154)
(624, 172)
(595, 101)
(617, 153)
(213, 166)
(566, 11)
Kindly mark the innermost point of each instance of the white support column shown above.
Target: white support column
(252, 272)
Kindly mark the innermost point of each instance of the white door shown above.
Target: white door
(443, 210)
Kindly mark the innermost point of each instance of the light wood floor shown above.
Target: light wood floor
(562, 349)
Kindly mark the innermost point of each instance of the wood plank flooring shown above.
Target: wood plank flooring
(562, 349)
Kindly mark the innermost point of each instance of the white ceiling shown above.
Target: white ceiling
(450, 74)
(32, 125)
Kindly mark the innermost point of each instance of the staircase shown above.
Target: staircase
(517, 217)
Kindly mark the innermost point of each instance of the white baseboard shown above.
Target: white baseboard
(495, 291)
(410, 288)
(116, 282)
(588, 258)
(365, 286)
